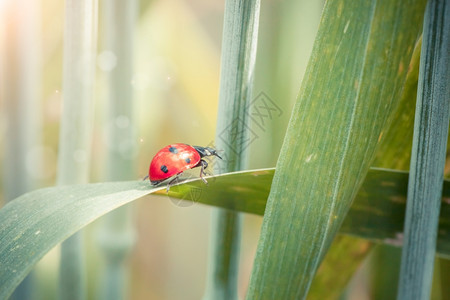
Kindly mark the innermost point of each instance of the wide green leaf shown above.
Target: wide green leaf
(393, 153)
(34, 223)
(352, 84)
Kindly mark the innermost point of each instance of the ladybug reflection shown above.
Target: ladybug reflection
(174, 159)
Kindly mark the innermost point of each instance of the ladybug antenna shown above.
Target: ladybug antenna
(214, 152)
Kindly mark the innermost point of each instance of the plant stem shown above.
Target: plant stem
(21, 84)
(239, 43)
(428, 155)
(116, 235)
(80, 37)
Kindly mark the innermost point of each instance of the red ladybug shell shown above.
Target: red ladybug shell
(172, 160)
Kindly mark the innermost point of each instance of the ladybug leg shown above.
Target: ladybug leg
(175, 179)
(146, 177)
(204, 165)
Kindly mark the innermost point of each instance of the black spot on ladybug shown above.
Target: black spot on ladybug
(188, 160)
(164, 169)
(173, 150)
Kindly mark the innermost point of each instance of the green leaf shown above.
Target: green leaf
(393, 153)
(428, 155)
(34, 223)
(354, 80)
(346, 255)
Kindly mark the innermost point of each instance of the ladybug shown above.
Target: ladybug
(174, 159)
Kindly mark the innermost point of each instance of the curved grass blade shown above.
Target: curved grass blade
(34, 223)
(377, 213)
(393, 153)
(352, 83)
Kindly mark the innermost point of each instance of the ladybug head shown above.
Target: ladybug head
(206, 151)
